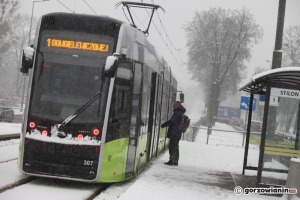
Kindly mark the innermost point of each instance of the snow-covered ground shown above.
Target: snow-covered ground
(7, 128)
(204, 172)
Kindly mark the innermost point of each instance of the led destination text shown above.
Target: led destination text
(71, 44)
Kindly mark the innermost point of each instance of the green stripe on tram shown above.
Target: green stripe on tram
(114, 161)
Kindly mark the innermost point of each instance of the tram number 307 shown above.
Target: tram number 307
(88, 162)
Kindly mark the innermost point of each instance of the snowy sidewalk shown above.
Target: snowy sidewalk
(204, 172)
(10, 128)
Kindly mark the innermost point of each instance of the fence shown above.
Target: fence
(219, 136)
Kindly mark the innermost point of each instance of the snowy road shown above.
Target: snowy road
(47, 189)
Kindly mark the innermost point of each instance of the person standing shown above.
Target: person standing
(174, 133)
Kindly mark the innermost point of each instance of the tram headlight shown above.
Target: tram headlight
(32, 124)
(79, 137)
(44, 133)
(96, 132)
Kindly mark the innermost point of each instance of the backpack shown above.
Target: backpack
(184, 124)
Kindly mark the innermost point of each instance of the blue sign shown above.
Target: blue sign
(262, 97)
(245, 101)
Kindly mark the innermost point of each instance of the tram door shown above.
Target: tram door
(156, 124)
(135, 118)
(152, 114)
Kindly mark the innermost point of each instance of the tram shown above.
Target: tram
(98, 91)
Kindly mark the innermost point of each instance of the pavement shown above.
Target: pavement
(228, 181)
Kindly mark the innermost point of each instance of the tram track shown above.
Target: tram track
(94, 194)
(9, 136)
(17, 184)
(97, 192)
(5, 161)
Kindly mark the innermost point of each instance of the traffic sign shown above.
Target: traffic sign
(262, 97)
(274, 101)
(245, 102)
(295, 94)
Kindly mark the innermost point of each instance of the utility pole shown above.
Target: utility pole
(211, 109)
(270, 112)
(276, 63)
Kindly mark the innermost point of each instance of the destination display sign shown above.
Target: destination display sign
(80, 45)
(285, 93)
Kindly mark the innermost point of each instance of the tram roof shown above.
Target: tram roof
(286, 77)
(130, 35)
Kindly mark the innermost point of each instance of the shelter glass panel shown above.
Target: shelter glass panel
(255, 131)
(282, 137)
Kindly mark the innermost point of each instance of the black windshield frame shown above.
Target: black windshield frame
(64, 79)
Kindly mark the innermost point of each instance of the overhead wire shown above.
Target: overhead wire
(160, 34)
(125, 15)
(73, 11)
(75, 6)
(89, 6)
(180, 64)
(66, 6)
(141, 21)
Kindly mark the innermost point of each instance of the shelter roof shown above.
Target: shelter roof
(286, 77)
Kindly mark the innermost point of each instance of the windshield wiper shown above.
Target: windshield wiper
(78, 112)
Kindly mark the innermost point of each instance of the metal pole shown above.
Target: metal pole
(211, 108)
(29, 38)
(248, 133)
(263, 136)
(277, 53)
(297, 140)
(276, 61)
(193, 140)
(23, 90)
(271, 111)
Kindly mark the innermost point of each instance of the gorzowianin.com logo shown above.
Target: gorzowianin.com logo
(272, 190)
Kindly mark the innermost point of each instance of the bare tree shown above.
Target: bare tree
(7, 15)
(288, 108)
(291, 47)
(14, 30)
(287, 113)
(219, 42)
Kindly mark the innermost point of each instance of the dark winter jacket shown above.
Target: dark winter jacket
(174, 123)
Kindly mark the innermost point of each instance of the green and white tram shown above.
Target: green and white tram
(98, 91)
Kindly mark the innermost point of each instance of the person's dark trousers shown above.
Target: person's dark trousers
(174, 150)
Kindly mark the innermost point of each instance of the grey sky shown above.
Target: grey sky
(178, 13)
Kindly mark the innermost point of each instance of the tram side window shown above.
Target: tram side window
(145, 100)
(135, 112)
(172, 99)
(118, 126)
(165, 101)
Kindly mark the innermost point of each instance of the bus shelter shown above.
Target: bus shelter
(279, 138)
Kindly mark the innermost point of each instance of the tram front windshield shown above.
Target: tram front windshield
(68, 74)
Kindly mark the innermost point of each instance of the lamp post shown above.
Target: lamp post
(31, 19)
(29, 38)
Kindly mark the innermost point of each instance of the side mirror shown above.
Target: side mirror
(181, 97)
(111, 66)
(27, 59)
